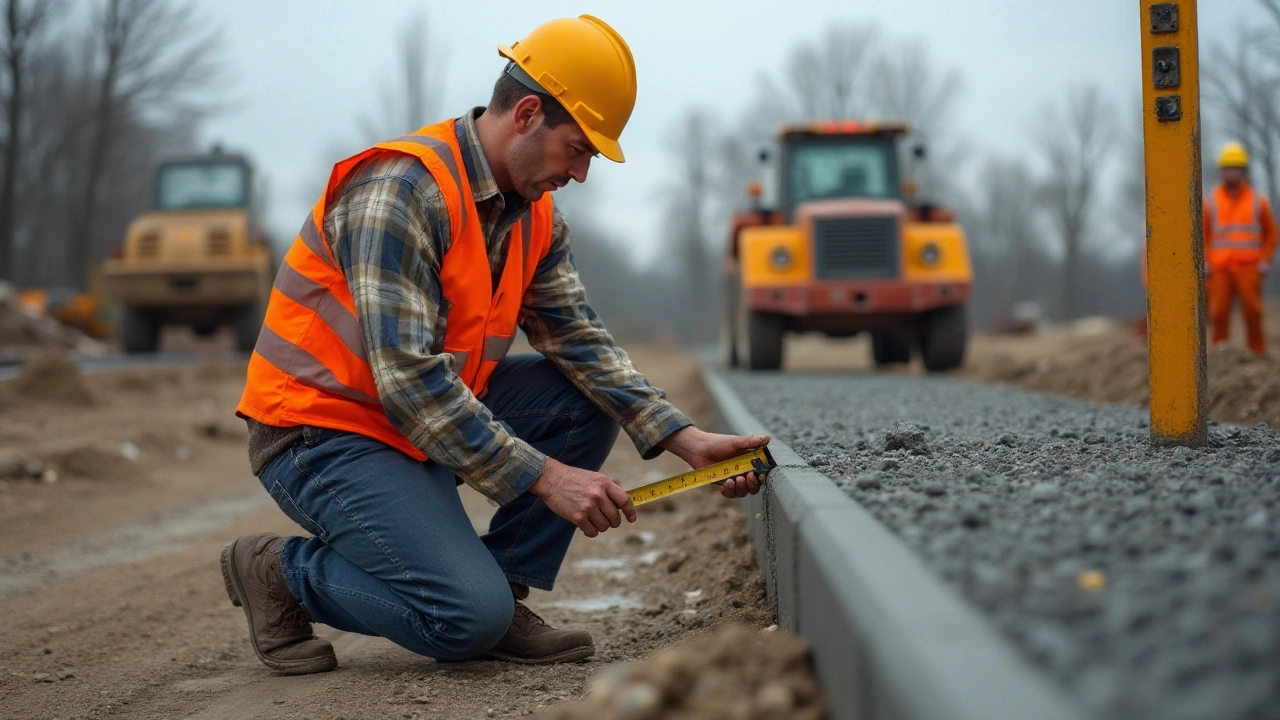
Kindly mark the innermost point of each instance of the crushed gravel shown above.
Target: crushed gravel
(1145, 579)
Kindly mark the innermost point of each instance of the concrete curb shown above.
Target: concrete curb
(889, 639)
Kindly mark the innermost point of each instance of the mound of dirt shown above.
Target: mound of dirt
(51, 377)
(1110, 365)
(91, 463)
(736, 674)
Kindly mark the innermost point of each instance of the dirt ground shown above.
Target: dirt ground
(1093, 359)
(120, 489)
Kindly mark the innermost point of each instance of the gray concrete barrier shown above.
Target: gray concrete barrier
(889, 639)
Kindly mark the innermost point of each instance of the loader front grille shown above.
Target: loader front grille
(857, 247)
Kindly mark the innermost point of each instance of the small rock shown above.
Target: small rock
(182, 453)
(638, 700)
(1069, 435)
(677, 562)
(934, 489)
(34, 469)
(819, 460)
(889, 464)
(1257, 520)
(66, 675)
(775, 698)
(1094, 439)
(975, 477)
(1045, 492)
(973, 517)
(905, 436)
(50, 476)
(130, 452)
(1007, 440)
(42, 678)
(867, 481)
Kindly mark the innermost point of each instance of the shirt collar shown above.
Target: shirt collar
(483, 186)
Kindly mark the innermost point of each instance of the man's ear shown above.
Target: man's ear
(526, 116)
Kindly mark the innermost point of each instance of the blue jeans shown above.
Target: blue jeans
(393, 552)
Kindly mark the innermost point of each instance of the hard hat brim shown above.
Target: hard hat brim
(606, 146)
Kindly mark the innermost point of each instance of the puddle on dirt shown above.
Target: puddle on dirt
(602, 564)
(599, 603)
(160, 534)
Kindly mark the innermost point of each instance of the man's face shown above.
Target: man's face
(546, 159)
(1232, 175)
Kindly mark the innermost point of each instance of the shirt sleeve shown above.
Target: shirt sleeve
(1269, 233)
(389, 231)
(562, 326)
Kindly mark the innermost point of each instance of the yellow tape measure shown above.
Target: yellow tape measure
(758, 461)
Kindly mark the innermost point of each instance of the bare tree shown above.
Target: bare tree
(412, 99)
(1243, 93)
(1006, 233)
(1075, 142)
(23, 24)
(906, 85)
(154, 58)
(829, 78)
(689, 208)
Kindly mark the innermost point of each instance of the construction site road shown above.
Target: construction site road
(118, 489)
(1144, 580)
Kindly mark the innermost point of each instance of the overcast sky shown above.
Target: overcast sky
(305, 71)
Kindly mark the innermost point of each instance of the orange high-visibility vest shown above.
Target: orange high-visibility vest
(310, 365)
(1234, 228)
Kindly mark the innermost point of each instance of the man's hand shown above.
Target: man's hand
(701, 449)
(1264, 267)
(587, 499)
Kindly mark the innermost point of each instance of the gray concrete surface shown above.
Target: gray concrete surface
(889, 639)
(1145, 580)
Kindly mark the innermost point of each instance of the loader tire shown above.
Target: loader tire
(943, 339)
(139, 331)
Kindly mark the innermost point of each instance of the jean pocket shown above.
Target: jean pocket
(290, 508)
(313, 436)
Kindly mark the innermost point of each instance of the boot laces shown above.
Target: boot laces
(525, 619)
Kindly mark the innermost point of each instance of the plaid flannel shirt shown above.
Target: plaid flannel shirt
(389, 230)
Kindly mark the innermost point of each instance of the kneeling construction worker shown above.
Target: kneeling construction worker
(381, 380)
(1239, 244)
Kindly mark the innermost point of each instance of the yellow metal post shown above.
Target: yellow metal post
(1175, 232)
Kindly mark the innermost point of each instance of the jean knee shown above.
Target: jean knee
(475, 627)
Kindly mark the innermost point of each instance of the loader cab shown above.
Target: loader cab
(837, 166)
(210, 182)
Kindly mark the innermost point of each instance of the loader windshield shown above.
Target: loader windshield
(844, 166)
(202, 185)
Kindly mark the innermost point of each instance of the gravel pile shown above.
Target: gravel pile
(1147, 580)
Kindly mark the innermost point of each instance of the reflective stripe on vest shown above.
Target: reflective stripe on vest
(1222, 232)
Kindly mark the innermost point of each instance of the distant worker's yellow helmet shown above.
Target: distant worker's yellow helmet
(586, 66)
(1233, 155)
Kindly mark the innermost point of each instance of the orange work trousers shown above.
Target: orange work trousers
(1226, 284)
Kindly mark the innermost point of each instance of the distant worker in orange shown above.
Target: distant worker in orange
(1239, 244)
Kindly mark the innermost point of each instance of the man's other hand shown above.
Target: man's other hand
(701, 449)
(592, 501)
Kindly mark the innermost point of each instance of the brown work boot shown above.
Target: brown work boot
(531, 641)
(279, 627)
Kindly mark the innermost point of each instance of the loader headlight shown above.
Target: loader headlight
(780, 258)
(930, 254)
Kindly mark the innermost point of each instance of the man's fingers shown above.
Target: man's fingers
(622, 501)
(607, 508)
(727, 488)
(753, 483)
(597, 520)
(587, 529)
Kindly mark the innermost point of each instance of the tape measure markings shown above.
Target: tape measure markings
(758, 461)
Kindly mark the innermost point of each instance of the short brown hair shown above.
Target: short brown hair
(508, 91)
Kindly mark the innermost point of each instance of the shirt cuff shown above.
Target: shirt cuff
(653, 425)
(510, 474)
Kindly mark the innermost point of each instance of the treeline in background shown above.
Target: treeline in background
(94, 92)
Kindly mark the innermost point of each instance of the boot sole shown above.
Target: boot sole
(571, 655)
(288, 667)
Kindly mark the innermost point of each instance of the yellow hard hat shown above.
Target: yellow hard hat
(1233, 155)
(586, 66)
